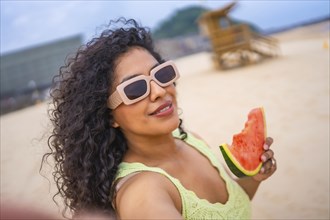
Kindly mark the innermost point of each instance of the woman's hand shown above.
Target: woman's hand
(269, 163)
(251, 184)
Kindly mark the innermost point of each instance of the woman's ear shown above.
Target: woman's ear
(115, 124)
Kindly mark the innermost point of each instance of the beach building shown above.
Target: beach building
(235, 43)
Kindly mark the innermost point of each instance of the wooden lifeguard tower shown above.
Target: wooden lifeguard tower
(234, 44)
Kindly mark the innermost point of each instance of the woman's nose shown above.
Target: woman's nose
(156, 91)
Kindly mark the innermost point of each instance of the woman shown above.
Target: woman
(118, 143)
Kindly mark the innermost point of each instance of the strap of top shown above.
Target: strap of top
(205, 150)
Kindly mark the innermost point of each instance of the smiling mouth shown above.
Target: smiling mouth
(162, 109)
(166, 108)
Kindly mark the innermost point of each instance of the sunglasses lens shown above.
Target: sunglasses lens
(136, 89)
(165, 74)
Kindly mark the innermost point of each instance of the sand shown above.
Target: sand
(293, 89)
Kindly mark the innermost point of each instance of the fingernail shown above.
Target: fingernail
(262, 170)
(263, 158)
(266, 147)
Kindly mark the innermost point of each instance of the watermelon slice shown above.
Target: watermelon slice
(243, 156)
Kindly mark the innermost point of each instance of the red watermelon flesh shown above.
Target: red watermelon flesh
(243, 156)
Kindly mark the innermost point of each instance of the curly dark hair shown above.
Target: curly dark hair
(85, 147)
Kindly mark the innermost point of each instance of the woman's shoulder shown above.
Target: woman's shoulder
(135, 183)
(143, 191)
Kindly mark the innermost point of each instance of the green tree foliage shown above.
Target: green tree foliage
(183, 22)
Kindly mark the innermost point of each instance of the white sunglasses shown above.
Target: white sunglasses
(138, 88)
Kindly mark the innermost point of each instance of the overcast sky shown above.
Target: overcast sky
(29, 23)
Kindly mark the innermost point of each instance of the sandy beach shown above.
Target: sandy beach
(293, 89)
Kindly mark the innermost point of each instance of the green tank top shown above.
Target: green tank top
(237, 206)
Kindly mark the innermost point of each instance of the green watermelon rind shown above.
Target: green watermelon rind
(235, 167)
(233, 164)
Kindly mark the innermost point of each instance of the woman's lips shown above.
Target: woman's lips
(163, 110)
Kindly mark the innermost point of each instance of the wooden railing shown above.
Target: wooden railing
(241, 37)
